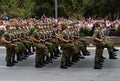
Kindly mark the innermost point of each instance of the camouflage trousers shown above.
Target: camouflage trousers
(41, 51)
(50, 46)
(69, 49)
(81, 45)
(107, 43)
(11, 50)
(27, 44)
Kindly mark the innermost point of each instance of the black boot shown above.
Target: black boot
(70, 62)
(22, 56)
(63, 65)
(103, 57)
(98, 65)
(38, 65)
(86, 53)
(13, 60)
(75, 58)
(9, 64)
(112, 55)
(29, 51)
(67, 63)
(101, 60)
(49, 59)
(58, 51)
(19, 58)
(33, 48)
(56, 54)
(45, 61)
(52, 56)
(41, 63)
(81, 56)
(114, 49)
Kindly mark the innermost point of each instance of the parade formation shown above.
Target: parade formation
(49, 38)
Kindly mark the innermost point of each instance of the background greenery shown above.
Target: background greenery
(78, 8)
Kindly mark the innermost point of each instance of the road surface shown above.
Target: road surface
(80, 71)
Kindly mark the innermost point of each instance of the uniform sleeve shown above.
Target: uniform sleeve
(63, 34)
(5, 35)
(95, 33)
(34, 35)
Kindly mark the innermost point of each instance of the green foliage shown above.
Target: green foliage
(63, 26)
(85, 31)
(86, 8)
(18, 8)
(118, 31)
(32, 30)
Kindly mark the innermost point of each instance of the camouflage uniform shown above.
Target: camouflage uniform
(69, 49)
(41, 49)
(10, 48)
(106, 43)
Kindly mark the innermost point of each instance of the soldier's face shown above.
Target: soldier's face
(68, 27)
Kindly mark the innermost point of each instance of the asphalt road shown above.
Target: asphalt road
(80, 71)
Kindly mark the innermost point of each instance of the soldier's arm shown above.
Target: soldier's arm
(5, 41)
(35, 40)
(64, 40)
(97, 39)
(41, 40)
(76, 36)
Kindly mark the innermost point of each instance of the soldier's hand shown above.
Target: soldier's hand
(14, 40)
(67, 41)
(76, 36)
(101, 40)
(70, 40)
(41, 40)
(9, 42)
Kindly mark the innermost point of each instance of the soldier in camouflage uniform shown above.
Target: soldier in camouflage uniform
(109, 42)
(21, 51)
(68, 47)
(11, 48)
(101, 42)
(41, 49)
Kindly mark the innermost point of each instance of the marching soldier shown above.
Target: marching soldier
(101, 42)
(7, 39)
(41, 49)
(67, 47)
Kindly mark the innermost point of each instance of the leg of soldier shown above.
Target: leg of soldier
(77, 46)
(80, 46)
(63, 59)
(23, 51)
(85, 44)
(65, 54)
(83, 47)
(50, 55)
(72, 51)
(109, 45)
(51, 48)
(55, 47)
(20, 53)
(75, 58)
(38, 56)
(27, 45)
(32, 45)
(8, 55)
(57, 51)
(69, 60)
(44, 51)
(16, 49)
(98, 61)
